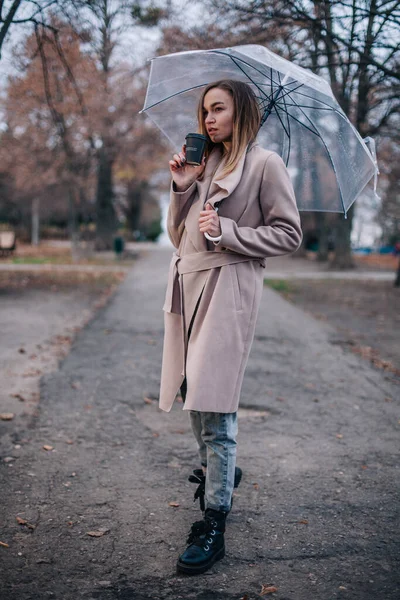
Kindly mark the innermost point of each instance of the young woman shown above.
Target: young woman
(225, 218)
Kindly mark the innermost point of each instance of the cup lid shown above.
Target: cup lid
(197, 135)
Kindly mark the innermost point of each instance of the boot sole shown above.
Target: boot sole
(197, 570)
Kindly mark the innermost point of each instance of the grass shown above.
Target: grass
(279, 285)
(33, 260)
(48, 255)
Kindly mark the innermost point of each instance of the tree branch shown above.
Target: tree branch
(8, 21)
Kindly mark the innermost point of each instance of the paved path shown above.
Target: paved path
(316, 514)
(67, 268)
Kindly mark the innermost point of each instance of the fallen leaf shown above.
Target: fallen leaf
(387, 399)
(341, 587)
(76, 385)
(18, 396)
(22, 350)
(97, 533)
(70, 523)
(24, 522)
(32, 373)
(280, 399)
(6, 416)
(46, 447)
(303, 522)
(245, 597)
(174, 504)
(70, 442)
(339, 436)
(148, 400)
(4, 545)
(255, 486)
(156, 434)
(20, 521)
(268, 589)
(182, 431)
(364, 467)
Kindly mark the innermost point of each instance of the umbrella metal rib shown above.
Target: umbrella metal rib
(288, 124)
(330, 158)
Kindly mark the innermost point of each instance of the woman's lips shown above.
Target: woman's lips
(212, 130)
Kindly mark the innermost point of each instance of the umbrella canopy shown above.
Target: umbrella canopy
(301, 120)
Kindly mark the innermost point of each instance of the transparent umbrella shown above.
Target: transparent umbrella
(330, 164)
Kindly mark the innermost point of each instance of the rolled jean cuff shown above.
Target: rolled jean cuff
(224, 509)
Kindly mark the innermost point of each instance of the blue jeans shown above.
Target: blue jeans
(216, 437)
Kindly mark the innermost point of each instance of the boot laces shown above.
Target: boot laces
(200, 530)
(200, 491)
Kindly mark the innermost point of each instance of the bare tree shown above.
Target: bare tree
(102, 24)
(354, 43)
(106, 22)
(17, 13)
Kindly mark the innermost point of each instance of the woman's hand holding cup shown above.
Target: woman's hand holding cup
(183, 174)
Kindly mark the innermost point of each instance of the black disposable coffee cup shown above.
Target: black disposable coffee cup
(195, 148)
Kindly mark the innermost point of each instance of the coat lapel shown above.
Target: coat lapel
(214, 191)
(222, 188)
(192, 220)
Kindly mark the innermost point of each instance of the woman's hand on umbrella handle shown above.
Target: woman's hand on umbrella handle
(182, 174)
(209, 221)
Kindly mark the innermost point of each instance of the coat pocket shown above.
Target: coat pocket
(236, 287)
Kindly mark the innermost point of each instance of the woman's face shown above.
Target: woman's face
(218, 113)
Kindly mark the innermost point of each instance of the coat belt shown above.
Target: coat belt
(191, 263)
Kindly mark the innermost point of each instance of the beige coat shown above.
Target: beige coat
(217, 287)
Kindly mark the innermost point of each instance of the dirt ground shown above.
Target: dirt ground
(40, 314)
(365, 313)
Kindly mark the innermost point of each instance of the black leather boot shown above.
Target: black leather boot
(206, 544)
(199, 478)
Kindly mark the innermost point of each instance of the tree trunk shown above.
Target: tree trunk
(397, 280)
(72, 224)
(35, 222)
(106, 223)
(343, 257)
(322, 254)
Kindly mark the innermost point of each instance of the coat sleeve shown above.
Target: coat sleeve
(180, 203)
(281, 232)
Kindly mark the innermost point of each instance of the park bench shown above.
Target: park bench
(7, 242)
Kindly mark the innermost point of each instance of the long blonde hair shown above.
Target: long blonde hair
(246, 119)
